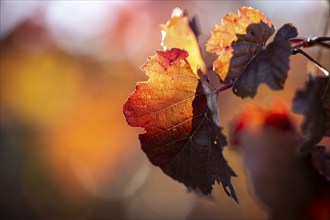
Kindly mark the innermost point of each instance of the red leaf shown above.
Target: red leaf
(182, 136)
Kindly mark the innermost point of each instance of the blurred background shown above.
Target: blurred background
(67, 68)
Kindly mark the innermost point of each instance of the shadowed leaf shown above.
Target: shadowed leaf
(240, 43)
(181, 121)
(321, 161)
(178, 33)
(237, 40)
(313, 102)
(232, 60)
(286, 32)
(270, 65)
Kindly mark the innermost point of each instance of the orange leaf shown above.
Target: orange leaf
(234, 28)
(177, 33)
(243, 57)
(181, 123)
(232, 60)
(237, 40)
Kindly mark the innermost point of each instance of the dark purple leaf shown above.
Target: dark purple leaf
(269, 66)
(286, 32)
(321, 161)
(313, 102)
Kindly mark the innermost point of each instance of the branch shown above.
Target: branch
(223, 88)
(322, 68)
(309, 42)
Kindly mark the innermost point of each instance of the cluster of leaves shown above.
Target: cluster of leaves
(178, 107)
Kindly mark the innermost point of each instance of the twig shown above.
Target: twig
(324, 45)
(309, 42)
(223, 88)
(322, 68)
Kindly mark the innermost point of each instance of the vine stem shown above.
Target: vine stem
(322, 68)
(209, 68)
(223, 88)
(311, 41)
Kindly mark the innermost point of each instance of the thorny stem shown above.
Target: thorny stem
(322, 68)
(223, 88)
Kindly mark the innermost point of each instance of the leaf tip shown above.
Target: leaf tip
(177, 12)
(286, 32)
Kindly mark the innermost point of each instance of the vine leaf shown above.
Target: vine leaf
(234, 28)
(178, 33)
(238, 38)
(321, 161)
(182, 136)
(313, 101)
(270, 65)
(240, 43)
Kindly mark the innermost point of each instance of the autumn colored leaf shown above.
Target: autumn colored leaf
(178, 33)
(240, 43)
(236, 28)
(232, 61)
(313, 102)
(250, 28)
(182, 133)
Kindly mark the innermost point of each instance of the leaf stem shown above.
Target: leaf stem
(209, 68)
(322, 68)
(223, 88)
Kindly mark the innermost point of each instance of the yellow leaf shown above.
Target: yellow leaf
(177, 33)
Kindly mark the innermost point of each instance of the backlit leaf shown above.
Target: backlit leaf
(237, 28)
(182, 136)
(232, 60)
(237, 40)
(178, 33)
(240, 43)
(313, 102)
